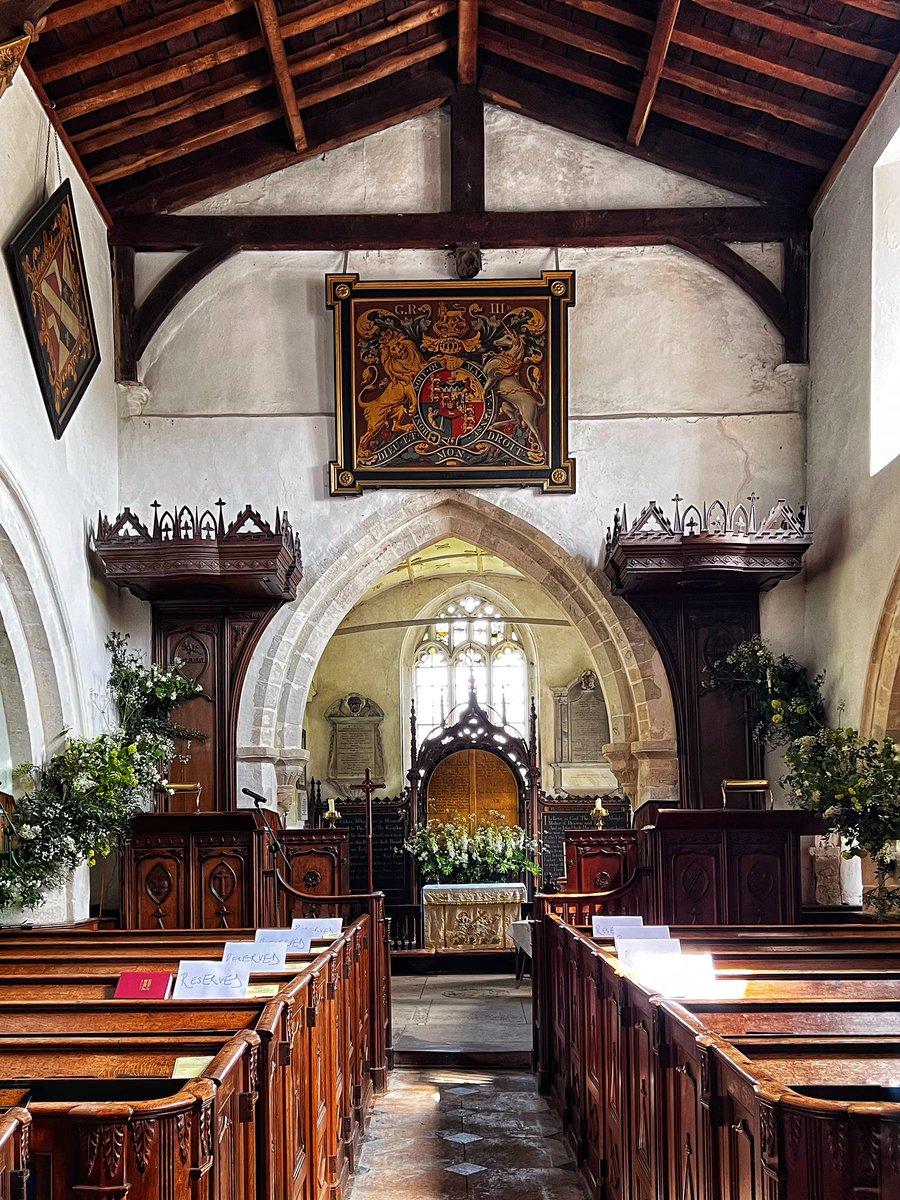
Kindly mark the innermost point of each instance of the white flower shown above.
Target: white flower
(28, 832)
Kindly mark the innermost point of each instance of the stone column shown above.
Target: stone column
(289, 768)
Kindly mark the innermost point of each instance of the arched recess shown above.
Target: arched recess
(881, 698)
(642, 752)
(37, 640)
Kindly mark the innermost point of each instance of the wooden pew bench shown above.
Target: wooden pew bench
(632, 1082)
(107, 1118)
(322, 1036)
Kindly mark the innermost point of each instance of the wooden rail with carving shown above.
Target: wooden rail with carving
(314, 1036)
(15, 1141)
(777, 1092)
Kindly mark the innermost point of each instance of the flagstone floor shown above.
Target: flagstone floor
(464, 1135)
(462, 1015)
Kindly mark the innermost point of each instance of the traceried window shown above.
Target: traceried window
(470, 641)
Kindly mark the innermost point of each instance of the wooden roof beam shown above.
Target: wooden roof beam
(137, 37)
(284, 84)
(180, 108)
(880, 8)
(390, 64)
(679, 110)
(716, 45)
(239, 161)
(698, 79)
(802, 28)
(656, 58)
(467, 43)
(438, 230)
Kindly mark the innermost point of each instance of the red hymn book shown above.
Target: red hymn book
(144, 985)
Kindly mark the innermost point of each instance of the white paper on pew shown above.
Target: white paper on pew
(319, 927)
(606, 926)
(267, 956)
(656, 932)
(199, 979)
(297, 943)
(678, 976)
(627, 949)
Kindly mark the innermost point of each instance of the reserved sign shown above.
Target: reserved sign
(295, 942)
(608, 926)
(318, 927)
(258, 956)
(630, 951)
(198, 979)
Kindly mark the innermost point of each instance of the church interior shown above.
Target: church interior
(450, 599)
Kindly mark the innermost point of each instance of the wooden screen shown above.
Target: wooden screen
(473, 785)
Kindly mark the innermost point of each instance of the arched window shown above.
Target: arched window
(470, 640)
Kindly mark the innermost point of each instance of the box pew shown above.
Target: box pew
(108, 1120)
(15, 1141)
(327, 1038)
(291, 903)
(630, 1088)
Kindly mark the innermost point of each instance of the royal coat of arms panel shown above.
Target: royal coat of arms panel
(451, 384)
(56, 306)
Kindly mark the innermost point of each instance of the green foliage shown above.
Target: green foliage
(851, 783)
(82, 800)
(492, 852)
(784, 702)
(854, 785)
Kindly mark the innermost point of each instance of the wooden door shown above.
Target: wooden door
(473, 786)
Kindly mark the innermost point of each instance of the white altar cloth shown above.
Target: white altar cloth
(471, 916)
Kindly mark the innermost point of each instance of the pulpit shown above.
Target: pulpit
(471, 916)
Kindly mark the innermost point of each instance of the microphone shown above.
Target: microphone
(255, 797)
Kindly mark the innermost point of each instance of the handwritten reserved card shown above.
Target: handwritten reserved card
(607, 926)
(258, 956)
(198, 979)
(297, 942)
(318, 927)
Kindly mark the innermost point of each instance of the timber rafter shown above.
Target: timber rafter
(707, 233)
(761, 98)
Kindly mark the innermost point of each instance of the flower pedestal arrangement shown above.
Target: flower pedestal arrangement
(78, 806)
(472, 882)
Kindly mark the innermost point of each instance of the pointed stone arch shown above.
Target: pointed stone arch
(881, 698)
(642, 721)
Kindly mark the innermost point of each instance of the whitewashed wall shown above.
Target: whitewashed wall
(855, 515)
(677, 381)
(56, 614)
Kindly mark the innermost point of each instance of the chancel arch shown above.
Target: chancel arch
(881, 699)
(642, 750)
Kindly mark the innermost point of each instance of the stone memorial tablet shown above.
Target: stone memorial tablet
(356, 744)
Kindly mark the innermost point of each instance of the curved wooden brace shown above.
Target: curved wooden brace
(761, 290)
(173, 287)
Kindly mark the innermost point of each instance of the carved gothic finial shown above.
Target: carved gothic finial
(753, 499)
(676, 524)
(156, 507)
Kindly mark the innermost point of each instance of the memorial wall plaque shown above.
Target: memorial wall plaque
(356, 744)
(582, 730)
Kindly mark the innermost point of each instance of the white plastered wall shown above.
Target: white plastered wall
(855, 514)
(677, 380)
(56, 615)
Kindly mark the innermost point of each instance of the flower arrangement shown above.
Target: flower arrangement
(851, 783)
(81, 801)
(492, 852)
(784, 702)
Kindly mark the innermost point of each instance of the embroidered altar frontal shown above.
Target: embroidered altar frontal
(471, 916)
(451, 383)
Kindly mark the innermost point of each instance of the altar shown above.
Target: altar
(471, 916)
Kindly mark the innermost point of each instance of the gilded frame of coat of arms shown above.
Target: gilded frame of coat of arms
(451, 383)
(56, 306)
